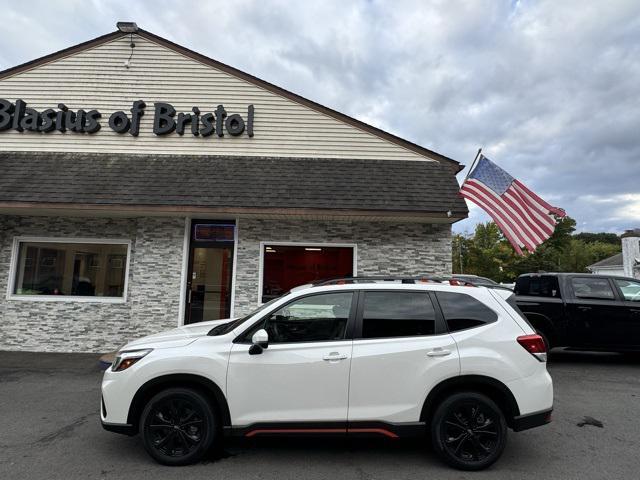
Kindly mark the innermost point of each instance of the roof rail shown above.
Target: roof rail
(373, 279)
(412, 280)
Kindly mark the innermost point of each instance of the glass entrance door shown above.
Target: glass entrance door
(210, 271)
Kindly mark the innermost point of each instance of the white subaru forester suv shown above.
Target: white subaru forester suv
(353, 357)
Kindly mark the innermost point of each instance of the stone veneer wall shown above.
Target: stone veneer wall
(153, 291)
(383, 248)
(155, 272)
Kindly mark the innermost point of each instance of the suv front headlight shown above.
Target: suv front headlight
(127, 358)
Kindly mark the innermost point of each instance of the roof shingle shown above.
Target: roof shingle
(216, 181)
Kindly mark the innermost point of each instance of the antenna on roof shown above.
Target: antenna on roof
(130, 28)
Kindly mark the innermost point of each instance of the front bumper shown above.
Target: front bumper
(531, 420)
(124, 429)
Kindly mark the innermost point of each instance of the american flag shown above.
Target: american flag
(524, 218)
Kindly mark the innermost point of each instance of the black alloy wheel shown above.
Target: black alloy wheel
(469, 431)
(178, 426)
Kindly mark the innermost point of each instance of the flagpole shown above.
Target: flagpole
(473, 164)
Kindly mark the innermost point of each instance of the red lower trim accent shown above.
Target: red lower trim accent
(260, 431)
(381, 431)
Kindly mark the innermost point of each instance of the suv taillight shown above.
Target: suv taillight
(534, 344)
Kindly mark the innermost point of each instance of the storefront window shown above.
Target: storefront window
(61, 269)
(287, 266)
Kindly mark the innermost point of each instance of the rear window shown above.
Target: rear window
(397, 314)
(538, 286)
(462, 311)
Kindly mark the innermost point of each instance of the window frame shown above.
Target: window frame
(13, 267)
(620, 292)
(614, 289)
(444, 319)
(440, 325)
(349, 330)
(529, 278)
(263, 244)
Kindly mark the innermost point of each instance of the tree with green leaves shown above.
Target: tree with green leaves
(489, 254)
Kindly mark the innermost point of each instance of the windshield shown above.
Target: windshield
(228, 326)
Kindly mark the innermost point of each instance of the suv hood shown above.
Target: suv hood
(178, 337)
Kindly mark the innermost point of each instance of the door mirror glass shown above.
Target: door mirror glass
(259, 341)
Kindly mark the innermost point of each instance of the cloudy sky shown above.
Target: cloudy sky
(549, 89)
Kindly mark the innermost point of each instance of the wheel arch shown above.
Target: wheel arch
(543, 323)
(196, 382)
(492, 388)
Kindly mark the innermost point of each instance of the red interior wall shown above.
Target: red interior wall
(290, 266)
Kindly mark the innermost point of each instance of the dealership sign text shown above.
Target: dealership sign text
(18, 116)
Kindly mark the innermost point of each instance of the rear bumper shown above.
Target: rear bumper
(531, 420)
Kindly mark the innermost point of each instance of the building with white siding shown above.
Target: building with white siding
(625, 263)
(150, 186)
(608, 266)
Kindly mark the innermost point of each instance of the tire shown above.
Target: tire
(461, 444)
(178, 426)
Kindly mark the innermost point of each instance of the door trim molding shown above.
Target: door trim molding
(185, 270)
(187, 266)
(360, 428)
(233, 268)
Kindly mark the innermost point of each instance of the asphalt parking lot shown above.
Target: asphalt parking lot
(50, 429)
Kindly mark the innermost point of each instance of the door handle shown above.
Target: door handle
(438, 352)
(335, 356)
(584, 309)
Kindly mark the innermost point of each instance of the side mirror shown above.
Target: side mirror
(260, 341)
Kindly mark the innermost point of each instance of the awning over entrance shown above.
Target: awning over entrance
(422, 190)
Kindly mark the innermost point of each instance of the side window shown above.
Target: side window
(630, 289)
(538, 286)
(310, 319)
(594, 288)
(397, 314)
(462, 311)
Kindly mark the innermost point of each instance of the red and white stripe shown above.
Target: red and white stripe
(524, 218)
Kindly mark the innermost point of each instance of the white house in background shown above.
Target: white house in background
(609, 266)
(626, 263)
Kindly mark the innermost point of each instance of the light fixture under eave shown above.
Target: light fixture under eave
(127, 27)
(312, 249)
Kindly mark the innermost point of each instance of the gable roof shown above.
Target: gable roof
(456, 166)
(610, 262)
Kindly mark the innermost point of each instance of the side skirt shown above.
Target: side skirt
(360, 429)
